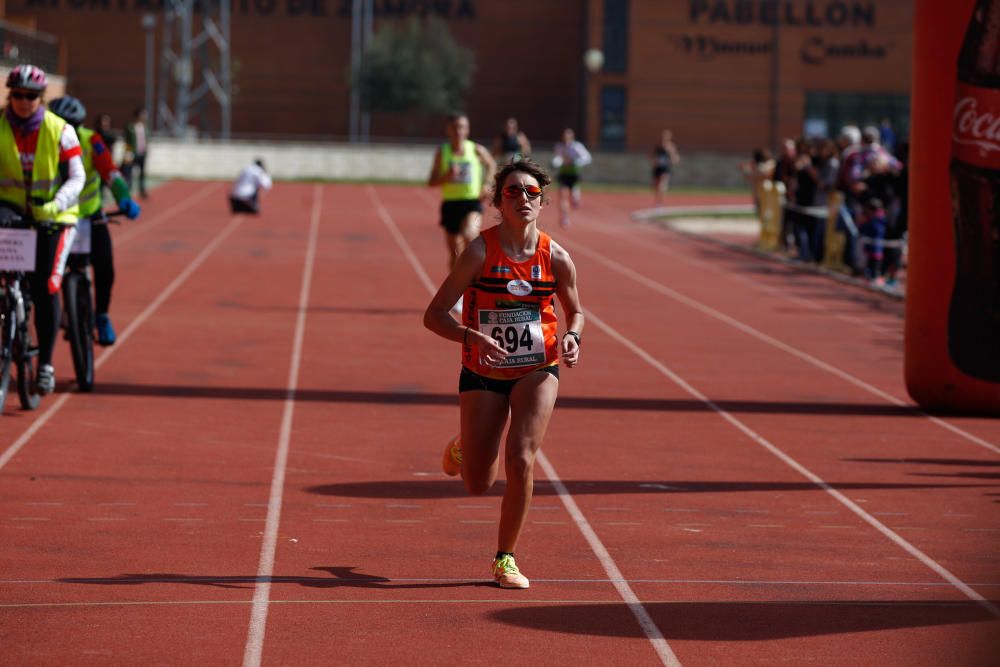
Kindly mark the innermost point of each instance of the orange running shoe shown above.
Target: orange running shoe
(452, 463)
(506, 574)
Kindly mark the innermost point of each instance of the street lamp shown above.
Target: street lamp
(593, 60)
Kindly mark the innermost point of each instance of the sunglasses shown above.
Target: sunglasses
(530, 191)
(24, 96)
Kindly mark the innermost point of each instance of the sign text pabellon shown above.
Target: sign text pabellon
(813, 14)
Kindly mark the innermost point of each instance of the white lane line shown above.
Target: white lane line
(892, 605)
(397, 235)
(143, 225)
(490, 602)
(776, 292)
(798, 467)
(262, 589)
(645, 621)
(671, 582)
(770, 340)
(123, 337)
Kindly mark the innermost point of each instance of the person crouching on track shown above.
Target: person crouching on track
(244, 197)
(42, 174)
(510, 349)
(100, 169)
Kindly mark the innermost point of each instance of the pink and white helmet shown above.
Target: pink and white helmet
(27, 77)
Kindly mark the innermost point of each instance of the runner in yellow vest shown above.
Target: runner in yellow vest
(34, 145)
(461, 168)
(100, 169)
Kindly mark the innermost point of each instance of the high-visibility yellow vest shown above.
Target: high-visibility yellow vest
(468, 183)
(45, 179)
(90, 196)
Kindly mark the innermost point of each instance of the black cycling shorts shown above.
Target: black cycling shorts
(453, 213)
(469, 381)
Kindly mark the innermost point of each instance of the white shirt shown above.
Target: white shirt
(249, 181)
(572, 153)
(71, 188)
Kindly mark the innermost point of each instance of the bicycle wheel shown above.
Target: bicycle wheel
(79, 327)
(8, 327)
(25, 354)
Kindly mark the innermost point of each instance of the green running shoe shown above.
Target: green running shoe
(506, 574)
(452, 463)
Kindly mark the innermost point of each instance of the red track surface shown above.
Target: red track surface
(801, 513)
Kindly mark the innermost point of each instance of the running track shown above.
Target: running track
(733, 475)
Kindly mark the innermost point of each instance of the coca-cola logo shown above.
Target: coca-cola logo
(973, 127)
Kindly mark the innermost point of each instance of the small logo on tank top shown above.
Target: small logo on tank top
(536, 272)
(519, 287)
(500, 269)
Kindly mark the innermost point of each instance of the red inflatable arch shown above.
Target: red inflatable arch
(952, 349)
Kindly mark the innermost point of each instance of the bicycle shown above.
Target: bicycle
(17, 257)
(78, 302)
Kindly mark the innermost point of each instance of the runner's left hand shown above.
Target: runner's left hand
(570, 353)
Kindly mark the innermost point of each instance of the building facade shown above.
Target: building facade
(724, 75)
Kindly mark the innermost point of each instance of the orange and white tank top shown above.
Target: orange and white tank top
(512, 302)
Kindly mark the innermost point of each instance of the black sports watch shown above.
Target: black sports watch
(574, 335)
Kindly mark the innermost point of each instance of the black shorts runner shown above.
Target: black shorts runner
(568, 180)
(469, 381)
(453, 213)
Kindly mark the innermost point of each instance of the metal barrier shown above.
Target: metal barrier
(770, 202)
(772, 205)
(19, 45)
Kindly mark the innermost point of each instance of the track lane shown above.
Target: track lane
(743, 383)
(162, 471)
(814, 303)
(721, 544)
(392, 543)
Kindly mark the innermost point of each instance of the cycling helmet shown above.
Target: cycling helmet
(27, 77)
(69, 109)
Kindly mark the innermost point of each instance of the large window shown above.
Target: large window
(612, 117)
(827, 112)
(615, 36)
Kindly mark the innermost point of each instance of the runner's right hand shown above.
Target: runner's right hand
(490, 351)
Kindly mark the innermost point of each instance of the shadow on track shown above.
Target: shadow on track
(343, 577)
(953, 463)
(431, 489)
(564, 402)
(986, 463)
(745, 621)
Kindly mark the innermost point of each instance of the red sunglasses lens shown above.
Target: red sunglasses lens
(531, 191)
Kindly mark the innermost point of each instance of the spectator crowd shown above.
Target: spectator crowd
(862, 176)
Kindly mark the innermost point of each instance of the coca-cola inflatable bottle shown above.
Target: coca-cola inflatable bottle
(974, 312)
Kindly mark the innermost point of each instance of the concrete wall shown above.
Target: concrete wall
(207, 159)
